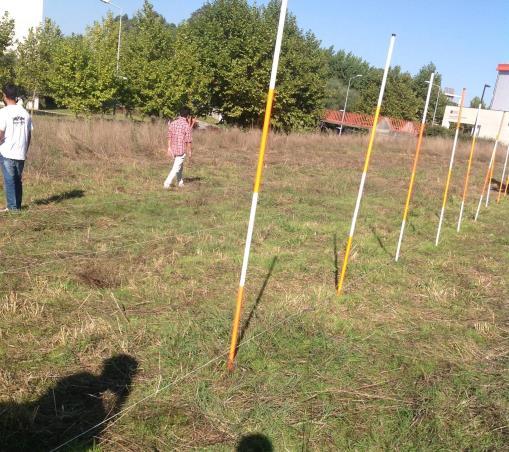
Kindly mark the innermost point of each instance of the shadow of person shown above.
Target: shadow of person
(74, 406)
(55, 199)
(255, 442)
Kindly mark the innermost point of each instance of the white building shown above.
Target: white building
(26, 14)
(489, 121)
(501, 92)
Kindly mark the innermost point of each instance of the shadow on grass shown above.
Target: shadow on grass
(255, 442)
(257, 302)
(495, 185)
(55, 199)
(74, 406)
(380, 242)
(190, 180)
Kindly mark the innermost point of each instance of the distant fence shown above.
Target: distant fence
(362, 121)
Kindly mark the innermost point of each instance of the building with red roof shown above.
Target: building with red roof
(363, 121)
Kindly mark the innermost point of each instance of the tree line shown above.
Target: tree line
(218, 60)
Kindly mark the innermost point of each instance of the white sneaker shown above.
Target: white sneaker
(181, 184)
(166, 186)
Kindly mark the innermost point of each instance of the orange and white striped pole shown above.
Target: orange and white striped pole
(503, 175)
(477, 130)
(488, 191)
(257, 183)
(414, 168)
(489, 172)
(451, 164)
(366, 166)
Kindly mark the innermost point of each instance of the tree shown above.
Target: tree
(74, 80)
(147, 62)
(35, 59)
(6, 55)
(234, 45)
(476, 101)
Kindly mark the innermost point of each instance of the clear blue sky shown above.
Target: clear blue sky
(466, 39)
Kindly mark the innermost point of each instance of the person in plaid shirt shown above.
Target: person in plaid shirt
(179, 146)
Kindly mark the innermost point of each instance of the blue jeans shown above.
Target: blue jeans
(12, 171)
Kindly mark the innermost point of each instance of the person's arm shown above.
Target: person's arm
(189, 141)
(170, 152)
(3, 126)
(29, 135)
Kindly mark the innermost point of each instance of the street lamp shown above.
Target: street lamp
(346, 101)
(479, 108)
(109, 2)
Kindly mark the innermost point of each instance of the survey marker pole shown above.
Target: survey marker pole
(451, 164)
(503, 175)
(257, 183)
(477, 131)
(366, 166)
(487, 178)
(488, 191)
(414, 168)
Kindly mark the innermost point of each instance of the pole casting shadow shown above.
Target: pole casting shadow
(246, 324)
(76, 404)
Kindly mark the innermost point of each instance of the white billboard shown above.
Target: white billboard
(26, 14)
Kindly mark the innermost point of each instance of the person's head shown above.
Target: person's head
(118, 372)
(10, 93)
(185, 112)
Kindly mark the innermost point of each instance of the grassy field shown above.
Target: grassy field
(117, 295)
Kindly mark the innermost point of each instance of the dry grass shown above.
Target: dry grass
(414, 357)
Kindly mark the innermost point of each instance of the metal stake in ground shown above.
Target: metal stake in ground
(366, 166)
(414, 168)
(476, 133)
(451, 164)
(258, 178)
(503, 175)
(487, 178)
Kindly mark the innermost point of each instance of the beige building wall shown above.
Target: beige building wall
(489, 121)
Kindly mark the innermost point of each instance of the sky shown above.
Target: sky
(466, 39)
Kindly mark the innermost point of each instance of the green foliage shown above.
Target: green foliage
(34, 59)
(476, 101)
(74, 81)
(6, 55)
(234, 43)
(147, 62)
(218, 60)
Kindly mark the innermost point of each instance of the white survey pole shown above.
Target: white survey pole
(257, 183)
(487, 181)
(366, 166)
(451, 165)
(414, 168)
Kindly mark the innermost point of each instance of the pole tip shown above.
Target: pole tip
(394, 34)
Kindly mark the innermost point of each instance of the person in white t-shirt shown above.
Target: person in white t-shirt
(15, 136)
